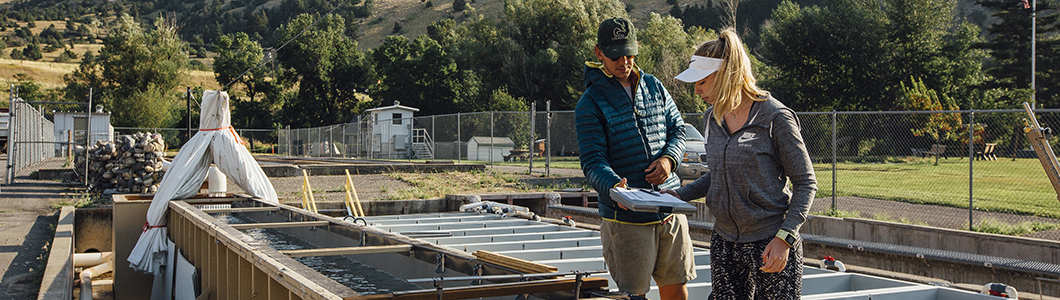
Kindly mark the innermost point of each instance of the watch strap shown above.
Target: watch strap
(787, 237)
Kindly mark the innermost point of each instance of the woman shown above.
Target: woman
(753, 148)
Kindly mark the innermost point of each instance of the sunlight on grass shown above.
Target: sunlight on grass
(565, 162)
(434, 186)
(836, 213)
(1019, 186)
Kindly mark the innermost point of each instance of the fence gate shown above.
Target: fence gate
(33, 146)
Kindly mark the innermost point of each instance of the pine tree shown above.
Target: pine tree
(1010, 49)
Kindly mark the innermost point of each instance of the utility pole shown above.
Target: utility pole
(1034, 37)
(189, 113)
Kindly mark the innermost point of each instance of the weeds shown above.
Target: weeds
(83, 199)
(836, 213)
(998, 227)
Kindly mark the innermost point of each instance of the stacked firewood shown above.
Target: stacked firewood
(130, 164)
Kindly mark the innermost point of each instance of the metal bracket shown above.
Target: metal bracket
(578, 285)
(440, 263)
(477, 270)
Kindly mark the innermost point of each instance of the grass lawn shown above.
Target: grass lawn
(565, 162)
(1019, 186)
(1004, 185)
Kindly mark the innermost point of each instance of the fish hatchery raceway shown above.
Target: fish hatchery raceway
(29, 210)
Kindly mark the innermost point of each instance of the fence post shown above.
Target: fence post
(971, 162)
(533, 137)
(88, 133)
(491, 140)
(458, 140)
(434, 146)
(548, 138)
(834, 170)
(12, 132)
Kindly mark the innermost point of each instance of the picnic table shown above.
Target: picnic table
(521, 155)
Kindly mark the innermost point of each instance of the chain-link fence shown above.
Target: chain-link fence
(914, 167)
(920, 168)
(34, 139)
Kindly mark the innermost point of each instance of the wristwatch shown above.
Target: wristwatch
(787, 237)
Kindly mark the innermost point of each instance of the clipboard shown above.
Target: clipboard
(645, 200)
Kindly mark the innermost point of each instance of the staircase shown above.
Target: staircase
(422, 144)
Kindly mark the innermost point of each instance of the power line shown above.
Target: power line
(270, 53)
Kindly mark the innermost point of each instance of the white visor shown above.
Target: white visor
(700, 67)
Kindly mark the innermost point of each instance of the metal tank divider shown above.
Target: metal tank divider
(233, 265)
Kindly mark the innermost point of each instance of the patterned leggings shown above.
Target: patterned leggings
(735, 275)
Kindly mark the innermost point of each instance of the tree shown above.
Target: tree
(419, 73)
(1009, 49)
(134, 74)
(853, 54)
(555, 38)
(236, 54)
(329, 70)
(32, 52)
(826, 58)
(940, 127)
(512, 122)
(664, 52)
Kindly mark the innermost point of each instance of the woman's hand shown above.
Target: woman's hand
(775, 257)
(671, 192)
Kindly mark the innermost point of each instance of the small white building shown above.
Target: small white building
(478, 148)
(391, 135)
(74, 123)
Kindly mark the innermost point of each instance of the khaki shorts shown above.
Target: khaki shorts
(635, 254)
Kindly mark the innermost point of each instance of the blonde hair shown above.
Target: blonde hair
(734, 79)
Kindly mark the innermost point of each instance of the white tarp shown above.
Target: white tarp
(216, 142)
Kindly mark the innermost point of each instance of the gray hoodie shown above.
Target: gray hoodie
(746, 188)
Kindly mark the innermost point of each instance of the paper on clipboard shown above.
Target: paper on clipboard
(650, 201)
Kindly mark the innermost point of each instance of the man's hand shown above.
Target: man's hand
(659, 170)
(622, 184)
(775, 257)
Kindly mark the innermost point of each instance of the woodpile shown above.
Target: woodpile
(130, 164)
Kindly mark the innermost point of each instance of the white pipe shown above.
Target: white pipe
(91, 259)
(86, 278)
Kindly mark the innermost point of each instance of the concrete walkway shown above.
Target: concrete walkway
(28, 212)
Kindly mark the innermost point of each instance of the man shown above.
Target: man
(630, 134)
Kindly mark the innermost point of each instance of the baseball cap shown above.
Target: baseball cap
(700, 67)
(617, 37)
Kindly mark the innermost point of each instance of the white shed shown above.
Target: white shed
(478, 148)
(391, 130)
(67, 123)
